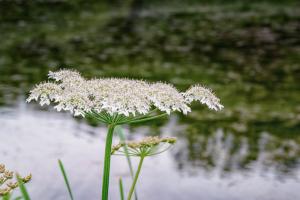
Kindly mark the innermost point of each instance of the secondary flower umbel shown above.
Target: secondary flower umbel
(148, 146)
(71, 92)
(6, 178)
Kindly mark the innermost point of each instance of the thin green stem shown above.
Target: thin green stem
(149, 114)
(121, 189)
(135, 178)
(144, 119)
(125, 119)
(148, 118)
(159, 152)
(109, 117)
(99, 118)
(100, 115)
(106, 169)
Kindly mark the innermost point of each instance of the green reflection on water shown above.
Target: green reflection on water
(248, 54)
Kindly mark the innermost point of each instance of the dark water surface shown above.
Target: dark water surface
(249, 56)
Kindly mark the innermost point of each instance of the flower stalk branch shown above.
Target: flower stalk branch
(135, 178)
(148, 146)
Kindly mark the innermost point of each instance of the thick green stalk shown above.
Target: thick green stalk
(135, 178)
(106, 169)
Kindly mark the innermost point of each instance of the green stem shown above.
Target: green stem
(106, 169)
(121, 189)
(135, 178)
(144, 119)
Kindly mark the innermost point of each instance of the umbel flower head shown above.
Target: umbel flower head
(148, 146)
(69, 91)
(6, 183)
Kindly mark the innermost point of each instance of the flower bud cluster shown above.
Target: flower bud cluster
(146, 147)
(6, 183)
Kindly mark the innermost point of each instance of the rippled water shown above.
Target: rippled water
(32, 140)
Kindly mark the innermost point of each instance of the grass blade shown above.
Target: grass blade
(62, 169)
(6, 197)
(121, 135)
(23, 188)
(121, 189)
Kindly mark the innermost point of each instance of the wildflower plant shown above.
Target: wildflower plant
(148, 146)
(117, 101)
(7, 183)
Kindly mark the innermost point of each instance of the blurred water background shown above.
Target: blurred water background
(248, 52)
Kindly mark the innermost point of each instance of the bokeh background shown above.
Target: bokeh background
(247, 51)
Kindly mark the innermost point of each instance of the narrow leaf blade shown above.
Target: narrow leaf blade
(121, 189)
(62, 169)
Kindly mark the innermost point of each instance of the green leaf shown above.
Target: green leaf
(6, 197)
(62, 169)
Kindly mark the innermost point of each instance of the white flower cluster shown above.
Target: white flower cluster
(204, 95)
(71, 92)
